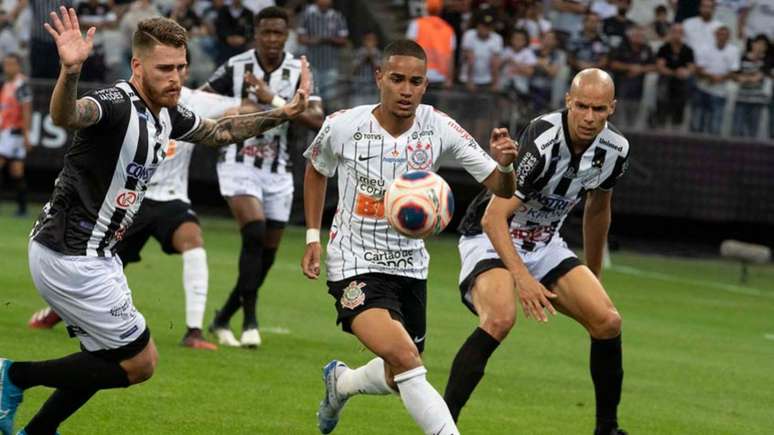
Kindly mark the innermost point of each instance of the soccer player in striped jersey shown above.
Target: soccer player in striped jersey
(122, 133)
(166, 215)
(511, 248)
(255, 175)
(15, 116)
(376, 276)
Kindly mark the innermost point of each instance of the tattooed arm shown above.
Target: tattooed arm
(68, 112)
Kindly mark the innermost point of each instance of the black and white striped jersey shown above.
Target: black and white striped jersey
(551, 179)
(106, 172)
(269, 150)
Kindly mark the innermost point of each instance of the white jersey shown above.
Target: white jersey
(368, 159)
(269, 150)
(170, 181)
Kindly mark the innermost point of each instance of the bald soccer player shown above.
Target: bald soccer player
(511, 249)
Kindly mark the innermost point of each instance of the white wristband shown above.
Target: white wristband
(505, 169)
(278, 101)
(312, 235)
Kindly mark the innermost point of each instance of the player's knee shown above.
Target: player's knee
(254, 233)
(608, 326)
(499, 324)
(141, 368)
(402, 358)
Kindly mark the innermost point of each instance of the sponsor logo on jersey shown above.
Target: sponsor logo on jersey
(526, 166)
(139, 172)
(393, 259)
(394, 156)
(111, 95)
(456, 127)
(367, 136)
(541, 208)
(353, 295)
(420, 156)
(126, 199)
(549, 144)
(371, 187)
(607, 143)
(417, 134)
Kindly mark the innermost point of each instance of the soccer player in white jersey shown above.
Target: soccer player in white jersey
(166, 215)
(511, 248)
(122, 133)
(254, 175)
(376, 276)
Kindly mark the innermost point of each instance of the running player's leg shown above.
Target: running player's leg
(493, 299)
(277, 203)
(16, 175)
(582, 297)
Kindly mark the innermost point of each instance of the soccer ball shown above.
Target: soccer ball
(418, 204)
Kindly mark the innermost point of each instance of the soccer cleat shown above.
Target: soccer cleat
(614, 431)
(10, 398)
(333, 402)
(225, 336)
(251, 338)
(46, 318)
(194, 339)
(23, 432)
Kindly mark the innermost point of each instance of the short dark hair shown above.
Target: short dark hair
(270, 13)
(158, 31)
(661, 9)
(404, 47)
(15, 56)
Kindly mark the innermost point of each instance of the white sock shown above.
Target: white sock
(424, 404)
(368, 379)
(195, 277)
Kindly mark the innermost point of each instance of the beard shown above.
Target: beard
(160, 96)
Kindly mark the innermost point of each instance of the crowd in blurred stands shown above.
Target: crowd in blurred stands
(686, 65)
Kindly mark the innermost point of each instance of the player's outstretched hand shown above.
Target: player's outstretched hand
(306, 81)
(73, 48)
(310, 263)
(534, 298)
(502, 148)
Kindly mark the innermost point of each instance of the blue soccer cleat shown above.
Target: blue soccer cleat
(333, 402)
(23, 432)
(10, 398)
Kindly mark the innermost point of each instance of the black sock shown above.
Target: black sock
(61, 405)
(79, 371)
(250, 264)
(21, 194)
(606, 364)
(468, 369)
(267, 260)
(233, 303)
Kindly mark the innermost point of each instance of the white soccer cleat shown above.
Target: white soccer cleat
(250, 338)
(333, 402)
(225, 337)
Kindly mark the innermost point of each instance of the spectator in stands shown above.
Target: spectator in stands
(534, 22)
(676, 68)
(137, 11)
(43, 55)
(481, 48)
(615, 27)
(659, 28)
(437, 38)
(604, 8)
(518, 64)
(499, 10)
(209, 20)
(754, 87)
(550, 60)
(9, 42)
(255, 6)
(184, 14)
(93, 13)
(568, 18)
(323, 32)
(756, 18)
(588, 49)
(364, 64)
(700, 30)
(234, 27)
(715, 65)
(630, 62)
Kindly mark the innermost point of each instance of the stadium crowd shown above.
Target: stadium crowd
(708, 59)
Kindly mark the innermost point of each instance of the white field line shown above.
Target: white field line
(749, 291)
(276, 330)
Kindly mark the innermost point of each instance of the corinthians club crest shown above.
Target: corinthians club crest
(420, 156)
(353, 295)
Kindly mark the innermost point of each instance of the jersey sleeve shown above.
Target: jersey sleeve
(619, 169)
(460, 146)
(23, 93)
(113, 105)
(529, 163)
(222, 80)
(321, 154)
(184, 122)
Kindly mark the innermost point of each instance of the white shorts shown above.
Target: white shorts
(273, 190)
(90, 294)
(546, 264)
(12, 145)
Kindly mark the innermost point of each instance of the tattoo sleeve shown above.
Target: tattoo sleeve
(65, 110)
(230, 129)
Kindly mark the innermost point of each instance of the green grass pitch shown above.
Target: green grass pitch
(698, 351)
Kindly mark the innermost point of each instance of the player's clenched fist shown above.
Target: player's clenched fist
(502, 148)
(310, 263)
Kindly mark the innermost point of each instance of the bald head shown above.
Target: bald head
(593, 80)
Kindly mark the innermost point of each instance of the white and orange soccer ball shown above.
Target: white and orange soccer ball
(419, 204)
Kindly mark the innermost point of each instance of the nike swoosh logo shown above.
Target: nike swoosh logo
(419, 339)
(364, 158)
(441, 429)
